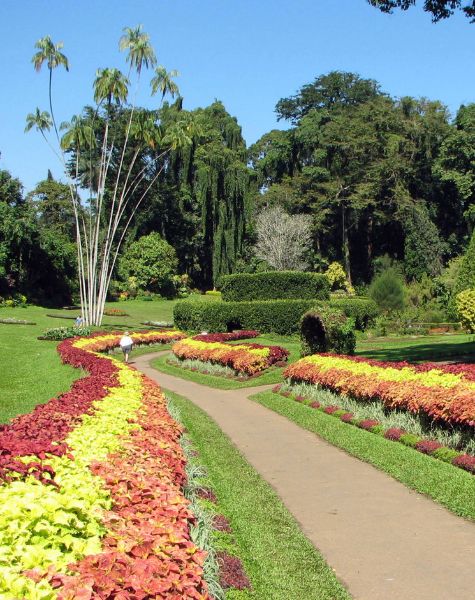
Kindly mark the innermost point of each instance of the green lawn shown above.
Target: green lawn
(31, 371)
(419, 348)
(448, 485)
(278, 559)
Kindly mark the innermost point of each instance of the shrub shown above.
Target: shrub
(63, 333)
(387, 290)
(465, 461)
(150, 263)
(363, 310)
(326, 329)
(409, 439)
(465, 303)
(445, 454)
(277, 316)
(466, 274)
(268, 316)
(274, 285)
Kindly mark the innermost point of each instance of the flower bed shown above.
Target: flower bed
(445, 393)
(227, 337)
(395, 434)
(243, 358)
(91, 498)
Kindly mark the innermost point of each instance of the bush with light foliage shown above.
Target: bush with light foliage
(465, 302)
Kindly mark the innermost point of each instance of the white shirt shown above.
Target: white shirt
(126, 340)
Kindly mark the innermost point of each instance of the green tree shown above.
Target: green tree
(387, 290)
(152, 262)
(423, 248)
(439, 9)
(466, 274)
(112, 163)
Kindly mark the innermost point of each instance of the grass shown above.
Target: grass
(442, 482)
(278, 558)
(420, 348)
(31, 371)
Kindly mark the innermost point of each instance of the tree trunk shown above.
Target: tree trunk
(369, 244)
(345, 243)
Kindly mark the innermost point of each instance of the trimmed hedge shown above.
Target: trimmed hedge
(274, 285)
(268, 316)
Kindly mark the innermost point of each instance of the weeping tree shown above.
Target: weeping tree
(112, 154)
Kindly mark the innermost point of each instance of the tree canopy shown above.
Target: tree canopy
(439, 9)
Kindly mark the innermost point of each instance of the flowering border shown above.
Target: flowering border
(395, 434)
(445, 393)
(243, 358)
(97, 508)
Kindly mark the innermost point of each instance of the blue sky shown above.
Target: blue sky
(246, 53)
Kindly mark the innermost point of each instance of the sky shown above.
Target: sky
(248, 54)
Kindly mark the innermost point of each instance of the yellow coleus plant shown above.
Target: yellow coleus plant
(41, 525)
(430, 378)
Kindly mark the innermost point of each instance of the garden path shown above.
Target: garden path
(384, 541)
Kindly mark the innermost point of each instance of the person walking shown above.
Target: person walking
(79, 321)
(126, 343)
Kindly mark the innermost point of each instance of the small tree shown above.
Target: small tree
(466, 274)
(465, 302)
(152, 262)
(283, 239)
(387, 290)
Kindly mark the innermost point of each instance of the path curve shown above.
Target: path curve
(384, 541)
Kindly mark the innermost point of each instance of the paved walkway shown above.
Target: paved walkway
(384, 541)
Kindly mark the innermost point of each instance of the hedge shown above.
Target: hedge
(274, 285)
(268, 316)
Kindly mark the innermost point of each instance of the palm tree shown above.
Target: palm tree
(79, 134)
(50, 52)
(163, 82)
(40, 120)
(140, 51)
(110, 85)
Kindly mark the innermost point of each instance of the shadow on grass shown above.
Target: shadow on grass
(438, 351)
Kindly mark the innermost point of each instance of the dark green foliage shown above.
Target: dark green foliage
(466, 274)
(363, 310)
(387, 290)
(423, 248)
(326, 329)
(439, 9)
(274, 285)
(276, 316)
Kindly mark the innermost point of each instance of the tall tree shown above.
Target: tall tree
(115, 192)
(439, 9)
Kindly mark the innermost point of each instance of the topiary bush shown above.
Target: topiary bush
(274, 285)
(268, 316)
(326, 329)
(465, 303)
